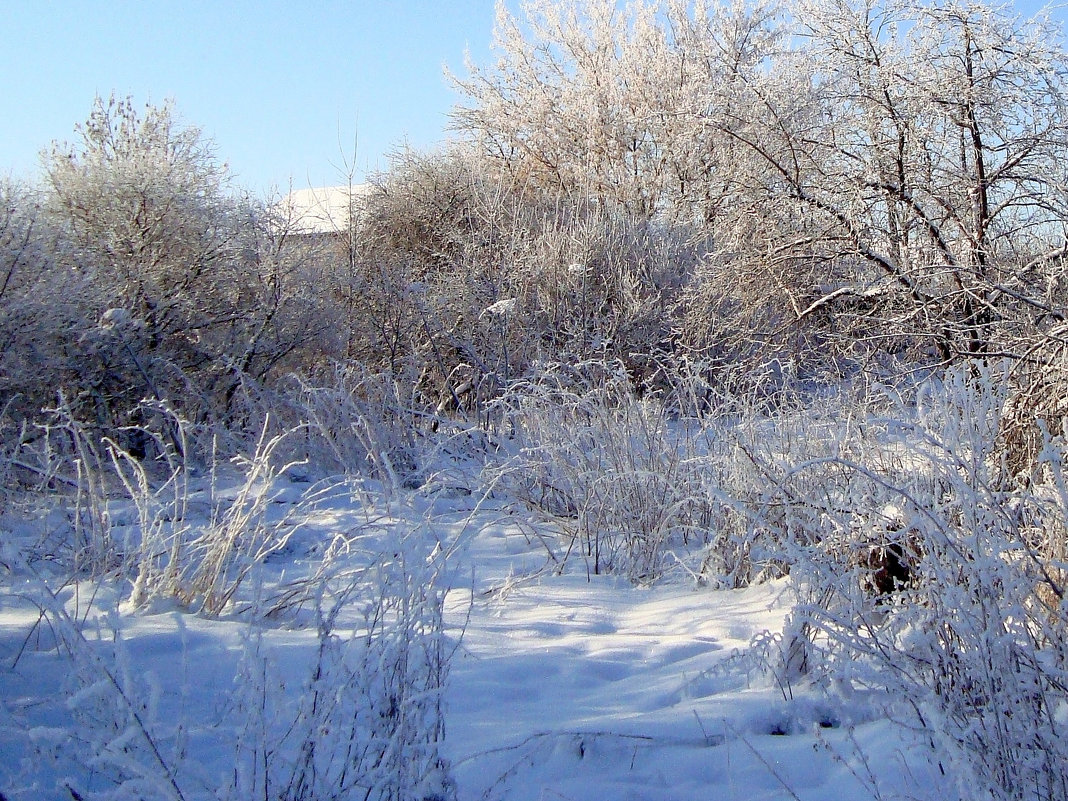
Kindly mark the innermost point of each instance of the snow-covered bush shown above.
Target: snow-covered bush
(150, 521)
(480, 275)
(108, 730)
(357, 715)
(202, 563)
(622, 480)
(691, 476)
(1038, 405)
(66, 461)
(940, 588)
(137, 272)
(363, 421)
(37, 304)
(788, 457)
(370, 717)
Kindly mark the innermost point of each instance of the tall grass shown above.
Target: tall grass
(612, 470)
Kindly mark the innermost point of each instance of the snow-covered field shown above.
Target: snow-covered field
(561, 684)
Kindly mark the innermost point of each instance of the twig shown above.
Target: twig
(763, 761)
(549, 734)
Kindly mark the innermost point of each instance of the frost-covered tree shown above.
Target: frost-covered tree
(190, 289)
(37, 303)
(612, 103)
(880, 175)
(917, 176)
(143, 200)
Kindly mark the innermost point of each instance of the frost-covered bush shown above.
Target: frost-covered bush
(481, 275)
(171, 528)
(203, 563)
(38, 303)
(967, 643)
(800, 458)
(137, 272)
(359, 420)
(369, 719)
(620, 477)
(692, 475)
(357, 715)
(1038, 404)
(115, 744)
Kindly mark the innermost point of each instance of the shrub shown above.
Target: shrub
(481, 276)
(365, 725)
(137, 273)
(970, 650)
(621, 479)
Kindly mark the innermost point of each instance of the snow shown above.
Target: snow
(569, 687)
(502, 308)
(562, 685)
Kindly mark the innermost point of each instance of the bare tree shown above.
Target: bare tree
(918, 151)
(881, 177)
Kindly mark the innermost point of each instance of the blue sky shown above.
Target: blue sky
(281, 87)
(275, 84)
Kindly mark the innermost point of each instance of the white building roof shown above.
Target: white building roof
(326, 209)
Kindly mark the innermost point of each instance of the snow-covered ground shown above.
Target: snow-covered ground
(562, 685)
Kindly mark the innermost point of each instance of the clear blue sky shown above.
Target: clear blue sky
(281, 87)
(275, 84)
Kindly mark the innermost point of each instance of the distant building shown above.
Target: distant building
(325, 210)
